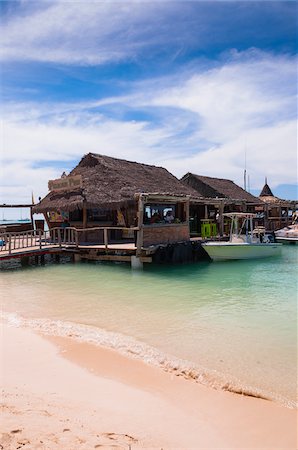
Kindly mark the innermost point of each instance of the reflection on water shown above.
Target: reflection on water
(238, 318)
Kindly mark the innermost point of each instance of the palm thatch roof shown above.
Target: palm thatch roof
(110, 182)
(218, 188)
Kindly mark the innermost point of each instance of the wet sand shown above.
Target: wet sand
(61, 394)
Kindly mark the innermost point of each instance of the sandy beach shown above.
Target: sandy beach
(61, 394)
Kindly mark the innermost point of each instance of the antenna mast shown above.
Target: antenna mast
(245, 169)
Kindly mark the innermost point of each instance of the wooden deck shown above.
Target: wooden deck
(36, 250)
(25, 245)
(61, 242)
(29, 251)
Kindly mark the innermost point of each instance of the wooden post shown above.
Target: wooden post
(221, 218)
(45, 214)
(9, 244)
(140, 225)
(85, 222)
(206, 211)
(105, 237)
(31, 216)
(39, 236)
(84, 216)
(186, 205)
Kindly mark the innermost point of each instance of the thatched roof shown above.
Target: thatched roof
(218, 188)
(111, 182)
(266, 191)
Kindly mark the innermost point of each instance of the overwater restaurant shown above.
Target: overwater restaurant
(121, 195)
(140, 202)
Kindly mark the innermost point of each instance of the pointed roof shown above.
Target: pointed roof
(267, 196)
(266, 191)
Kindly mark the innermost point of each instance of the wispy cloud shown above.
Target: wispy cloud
(92, 34)
(164, 82)
(201, 122)
(97, 32)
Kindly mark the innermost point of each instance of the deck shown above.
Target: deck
(57, 241)
(69, 242)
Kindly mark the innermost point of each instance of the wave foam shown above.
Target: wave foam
(132, 348)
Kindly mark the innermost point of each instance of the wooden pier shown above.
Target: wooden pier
(69, 242)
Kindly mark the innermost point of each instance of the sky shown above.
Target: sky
(208, 87)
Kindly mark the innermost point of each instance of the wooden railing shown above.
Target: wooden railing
(63, 236)
(56, 236)
(21, 240)
(103, 238)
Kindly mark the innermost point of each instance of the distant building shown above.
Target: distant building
(277, 212)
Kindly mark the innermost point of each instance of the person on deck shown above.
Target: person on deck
(155, 218)
(169, 218)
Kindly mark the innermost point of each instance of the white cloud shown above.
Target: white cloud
(205, 123)
(269, 152)
(84, 33)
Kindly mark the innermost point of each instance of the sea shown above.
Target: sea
(227, 325)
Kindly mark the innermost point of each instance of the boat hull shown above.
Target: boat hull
(287, 240)
(222, 251)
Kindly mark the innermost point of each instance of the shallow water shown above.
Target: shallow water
(233, 324)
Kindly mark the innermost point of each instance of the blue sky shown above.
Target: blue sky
(191, 86)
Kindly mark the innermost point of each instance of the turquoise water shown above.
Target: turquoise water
(231, 325)
(11, 221)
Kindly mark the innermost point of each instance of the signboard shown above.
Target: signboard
(58, 216)
(65, 183)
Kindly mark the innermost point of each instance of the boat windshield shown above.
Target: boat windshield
(241, 227)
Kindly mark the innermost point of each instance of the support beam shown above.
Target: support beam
(85, 221)
(186, 206)
(84, 217)
(77, 258)
(136, 263)
(221, 218)
(140, 224)
(47, 219)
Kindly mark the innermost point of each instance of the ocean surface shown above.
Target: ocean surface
(230, 325)
(8, 221)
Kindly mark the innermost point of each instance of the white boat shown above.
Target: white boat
(244, 242)
(288, 235)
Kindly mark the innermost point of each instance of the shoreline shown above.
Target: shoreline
(133, 349)
(69, 394)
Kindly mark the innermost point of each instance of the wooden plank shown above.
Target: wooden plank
(119, 258)
(146, 259)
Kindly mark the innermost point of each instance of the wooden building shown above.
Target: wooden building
(220, 195)
(120, 195)
(277, 212)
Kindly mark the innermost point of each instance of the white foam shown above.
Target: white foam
(132, 348)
